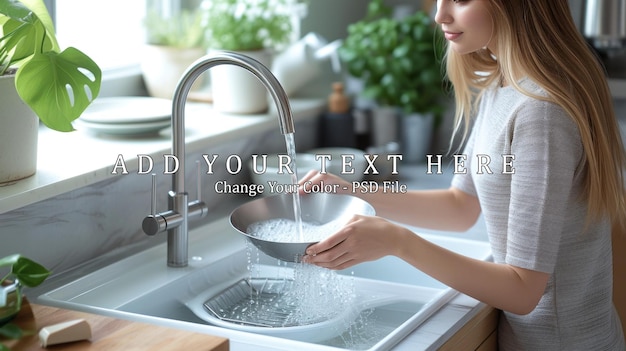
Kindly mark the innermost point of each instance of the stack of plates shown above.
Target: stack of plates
(128, 115)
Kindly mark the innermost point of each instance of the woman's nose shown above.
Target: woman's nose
(442, 15)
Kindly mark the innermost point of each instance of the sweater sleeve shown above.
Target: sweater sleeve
(462, 178)
(548, 152)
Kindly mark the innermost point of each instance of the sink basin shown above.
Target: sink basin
(393, 297)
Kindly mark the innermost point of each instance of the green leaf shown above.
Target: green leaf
(39, 9)
(11, 331)
(9, 260)
(72, 83)
(44, 74)
(377, 8)
(29, 272)
(401, 51)
(24, 32)
(14, 9)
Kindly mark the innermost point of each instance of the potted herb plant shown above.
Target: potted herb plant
(175, 38)
(23, 272)
(398, 61)
(38, 79)
(254, 28)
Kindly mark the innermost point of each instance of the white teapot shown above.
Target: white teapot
(300, 62)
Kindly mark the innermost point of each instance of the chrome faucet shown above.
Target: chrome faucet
(176, 220)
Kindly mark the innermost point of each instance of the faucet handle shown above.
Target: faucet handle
(153, 211)
(155, 222)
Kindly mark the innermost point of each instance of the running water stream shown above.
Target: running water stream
(297, 210)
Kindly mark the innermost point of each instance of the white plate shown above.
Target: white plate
(127, 109)
(128, 129)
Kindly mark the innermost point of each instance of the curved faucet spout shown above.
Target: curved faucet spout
(205, 63)
(180, 208)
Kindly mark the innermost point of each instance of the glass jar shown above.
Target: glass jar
(10, 301)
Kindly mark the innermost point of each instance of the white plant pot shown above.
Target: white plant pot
(235, 90)
(19, 128)
(384, 125)
(163, 66)
(416, 136)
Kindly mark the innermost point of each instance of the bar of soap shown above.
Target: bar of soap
(70, 331)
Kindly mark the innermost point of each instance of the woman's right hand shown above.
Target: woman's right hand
(362, 239)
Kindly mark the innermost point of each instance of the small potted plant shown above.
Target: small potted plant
(36, 76)
(174, 40)
(23, 272)
(398, 61)
(254, 28)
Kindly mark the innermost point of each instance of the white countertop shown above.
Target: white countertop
(68, 161)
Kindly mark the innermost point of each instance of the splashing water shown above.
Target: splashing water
(307, 296)
(281, 230)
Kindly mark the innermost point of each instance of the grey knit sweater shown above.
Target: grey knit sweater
(536, 221)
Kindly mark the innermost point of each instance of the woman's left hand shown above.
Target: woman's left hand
(363, 238)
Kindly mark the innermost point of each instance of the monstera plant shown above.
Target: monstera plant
(56, 84)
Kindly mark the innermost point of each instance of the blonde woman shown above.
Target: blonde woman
(525, 77)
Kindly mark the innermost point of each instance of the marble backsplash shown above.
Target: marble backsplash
(69, 229)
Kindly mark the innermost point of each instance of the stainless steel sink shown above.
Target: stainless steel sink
(394, 298)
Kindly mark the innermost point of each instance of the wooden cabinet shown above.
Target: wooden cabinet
(480, 333)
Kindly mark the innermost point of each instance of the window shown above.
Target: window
(110, 32)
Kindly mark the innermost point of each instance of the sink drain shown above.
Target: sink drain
(260, 302)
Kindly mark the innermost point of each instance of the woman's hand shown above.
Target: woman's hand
(362, 239)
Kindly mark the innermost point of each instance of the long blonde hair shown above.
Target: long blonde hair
(538, 38)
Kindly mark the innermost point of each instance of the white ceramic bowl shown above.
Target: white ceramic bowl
(335, 165)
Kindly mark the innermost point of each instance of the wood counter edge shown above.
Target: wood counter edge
(476, 333)
(110, 333)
